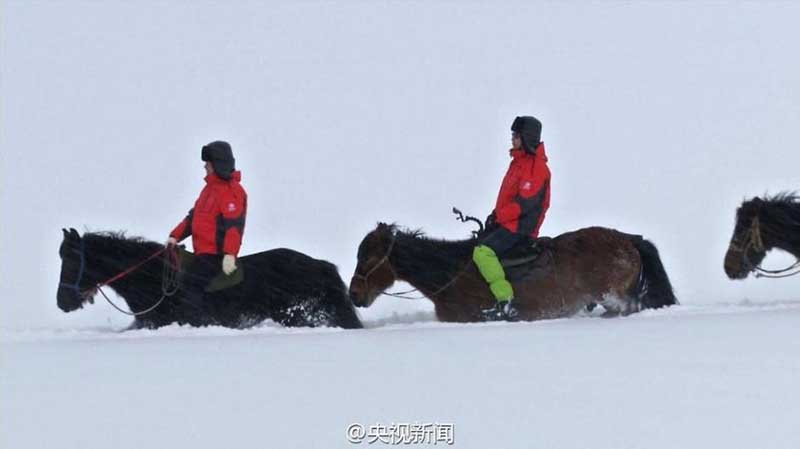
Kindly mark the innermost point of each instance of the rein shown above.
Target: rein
(404, 294)
(383, 260)
(169, 278)
(127, 271)
(755, 241)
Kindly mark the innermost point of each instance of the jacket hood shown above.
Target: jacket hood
(540, 153)
(236, 176)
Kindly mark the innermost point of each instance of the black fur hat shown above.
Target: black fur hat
(220, 155)
(530, 129)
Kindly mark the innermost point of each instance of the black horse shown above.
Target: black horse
(287, 286)
(762, 225)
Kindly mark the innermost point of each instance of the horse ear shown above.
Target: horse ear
(64, 230)
(74, 234)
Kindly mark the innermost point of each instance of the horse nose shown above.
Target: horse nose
(66, 299)
(354, 298)
(733, 267)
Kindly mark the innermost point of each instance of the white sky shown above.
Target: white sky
(659, 119)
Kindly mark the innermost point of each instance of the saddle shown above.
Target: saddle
(220, 281)
(532, 257)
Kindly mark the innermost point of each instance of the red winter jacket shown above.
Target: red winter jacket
(216, 222)
(525, 193)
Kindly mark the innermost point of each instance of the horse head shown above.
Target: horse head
(374, 272)
(749, 244)
(76, 285)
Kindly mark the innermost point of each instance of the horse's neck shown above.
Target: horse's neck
(790, 242)
(428, 265)
(107, 258)
(784, 224)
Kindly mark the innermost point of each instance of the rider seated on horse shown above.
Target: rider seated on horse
(216, 222)
(519, 212)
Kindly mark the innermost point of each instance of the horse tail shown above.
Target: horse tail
(346, 313)
(654, 289)
(336, 292)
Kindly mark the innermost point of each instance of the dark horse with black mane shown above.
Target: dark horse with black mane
(287, 286)
(576, 270)
(762, 225)
(621, 272)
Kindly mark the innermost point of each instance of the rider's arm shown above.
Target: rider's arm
(184, 228)
(534, 198)
(234, 211)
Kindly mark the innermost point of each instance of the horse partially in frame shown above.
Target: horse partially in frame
(287, 286)
(764, 224)
(576, 270)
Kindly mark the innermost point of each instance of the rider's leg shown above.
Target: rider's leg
(486, 257)
(197, 277)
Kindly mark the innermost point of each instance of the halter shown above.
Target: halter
(403, 294)
(169, 284)
(754, 240)
(76, 285)
(383, 260)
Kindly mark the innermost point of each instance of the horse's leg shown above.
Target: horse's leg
(613, 305)
(447, 312)
(619, 303)
(135, 325)
(443, 312)
(139, 323)
(345, 315)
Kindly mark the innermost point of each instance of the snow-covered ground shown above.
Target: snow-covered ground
(721, 375)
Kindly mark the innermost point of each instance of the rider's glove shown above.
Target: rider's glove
(228, 264)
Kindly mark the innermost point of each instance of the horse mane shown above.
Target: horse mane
(453, 249)
(782, 209)
(434, 261)
(780, 217)
(116, 242)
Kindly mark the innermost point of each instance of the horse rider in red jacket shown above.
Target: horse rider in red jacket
(216, 222)
(520, 210)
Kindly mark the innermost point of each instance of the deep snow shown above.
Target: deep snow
(722, 375)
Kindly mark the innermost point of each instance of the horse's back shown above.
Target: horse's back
(602, 259)
(293, 276)
(285, 261)
(594, 235)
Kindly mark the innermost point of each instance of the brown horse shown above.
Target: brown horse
(590, 266)
(762, 225)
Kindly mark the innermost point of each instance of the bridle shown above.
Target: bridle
(169, 281)
(403, 294)
(383, 260)
(754, 240)
(76, 286)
